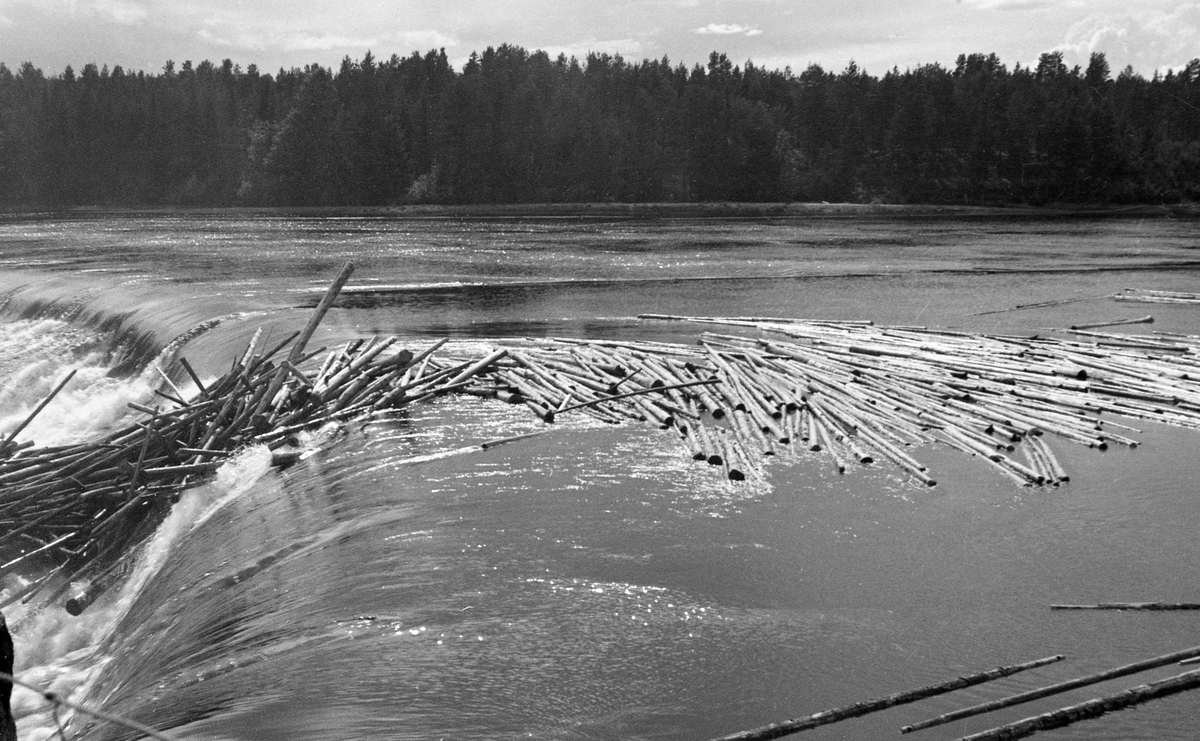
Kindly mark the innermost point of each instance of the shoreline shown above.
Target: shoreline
(655, 211)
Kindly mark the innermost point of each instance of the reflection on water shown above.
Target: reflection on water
(593, 582)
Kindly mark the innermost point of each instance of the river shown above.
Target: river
(592, 582)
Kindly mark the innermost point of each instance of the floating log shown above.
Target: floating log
(1115, 322)
(55, 699)
(825, 717)
(638, 392)
(1091, 709)
(1041, 304)
(1146, 295)
(1055, 689)
(1131, 606)
(833, 387)
(488, 444)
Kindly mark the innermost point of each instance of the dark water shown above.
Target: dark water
(590, 583)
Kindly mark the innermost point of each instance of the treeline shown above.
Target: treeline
(520, 127)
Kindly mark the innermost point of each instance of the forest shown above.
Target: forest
(515, 126)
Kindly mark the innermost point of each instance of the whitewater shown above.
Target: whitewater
(590, 582)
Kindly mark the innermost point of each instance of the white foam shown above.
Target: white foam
(91, 404)
(62, 653)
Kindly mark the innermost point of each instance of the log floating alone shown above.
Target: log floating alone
(1131, 606)
(1115, 322)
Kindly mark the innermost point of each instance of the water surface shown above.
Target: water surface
(590, 583)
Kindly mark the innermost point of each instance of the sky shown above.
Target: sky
(1150, 35)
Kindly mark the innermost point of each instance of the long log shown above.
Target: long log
(1115, 322)
(1090, 709)
(825, 717)
(17, 430)
(1131, 606)
(318, 314)
(1055, 689)
(1042, 304)
(638, 392)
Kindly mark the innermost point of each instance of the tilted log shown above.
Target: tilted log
(825, 717)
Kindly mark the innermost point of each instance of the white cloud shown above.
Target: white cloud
(120, 11)
(325, 42)
(628, 48)
(726, 29)
(302, 35)
(123, 12)
(424, 40)
(1149, 40)
(208, 36)
(1009, 4)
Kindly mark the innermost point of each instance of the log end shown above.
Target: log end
(76, 605)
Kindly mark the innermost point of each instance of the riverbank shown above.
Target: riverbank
(669, 210)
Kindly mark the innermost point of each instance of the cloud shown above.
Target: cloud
(727, 29)
(243, 42)
(428, 39)
(324, 42)
(301, 41)
(122, 12)
(1148, 40)
(629, 48)
(300, 34)
(1009, 4)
